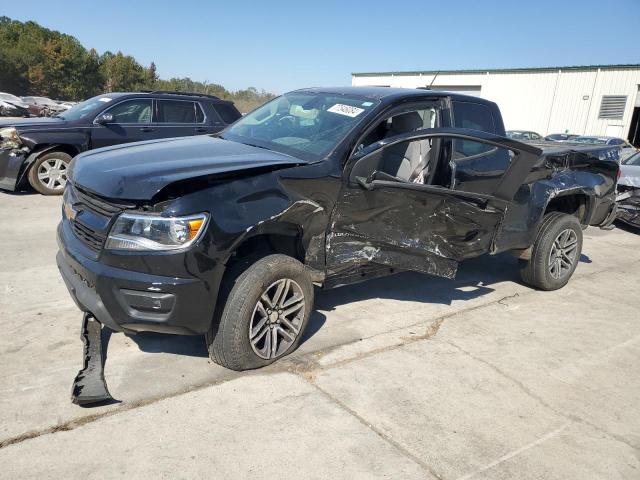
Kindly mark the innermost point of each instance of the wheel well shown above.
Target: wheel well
(43, 150)
(268, 243)
(574, 204)
(68, 149)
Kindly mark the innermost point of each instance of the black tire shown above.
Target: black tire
(45, 185)
(539, 272)
(228, 338)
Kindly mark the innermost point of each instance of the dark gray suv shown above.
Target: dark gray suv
(39, 150)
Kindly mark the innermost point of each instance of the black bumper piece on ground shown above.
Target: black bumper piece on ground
(89, 385)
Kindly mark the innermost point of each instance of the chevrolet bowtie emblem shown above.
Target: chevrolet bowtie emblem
(69, 211)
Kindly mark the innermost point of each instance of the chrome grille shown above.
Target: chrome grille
(102, 212)
(100, 206)
(88, 236)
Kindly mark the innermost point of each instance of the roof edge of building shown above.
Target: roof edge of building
(623, 66)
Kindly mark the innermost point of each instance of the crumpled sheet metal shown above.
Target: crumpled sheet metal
(350, 253)
(409, 231)
(628, 202)
(89, 386)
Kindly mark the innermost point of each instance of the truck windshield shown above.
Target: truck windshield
(86, 108)
(302, 124)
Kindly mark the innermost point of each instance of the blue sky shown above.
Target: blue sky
(283, 45)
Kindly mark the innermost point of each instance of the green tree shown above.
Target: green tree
(121, 72)
(38, 61)
(151, 77)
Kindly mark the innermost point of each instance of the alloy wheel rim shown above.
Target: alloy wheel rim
(277, 319)
(563, 253)
(52, 173)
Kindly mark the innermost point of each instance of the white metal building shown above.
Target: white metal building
(586, 100)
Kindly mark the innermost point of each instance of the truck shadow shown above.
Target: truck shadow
(625, 227)
(187, 345)
(475, 278)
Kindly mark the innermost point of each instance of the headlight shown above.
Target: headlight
(153, 232)
(9, 138)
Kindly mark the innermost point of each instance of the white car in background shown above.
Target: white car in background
(12, 106)
(43, 106)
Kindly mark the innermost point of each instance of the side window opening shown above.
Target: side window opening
(431, 161)
(131, 111)
(175, 111)
(473, 116)
(476, 166)
(228, 113)
(410, 161)
(400, 123)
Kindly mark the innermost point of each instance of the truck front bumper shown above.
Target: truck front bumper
(12, 167)
(131, 301)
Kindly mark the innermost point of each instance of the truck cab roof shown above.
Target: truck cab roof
(391, 94)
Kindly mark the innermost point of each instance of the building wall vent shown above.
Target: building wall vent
(612, 106)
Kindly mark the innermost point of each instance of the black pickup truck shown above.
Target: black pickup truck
(225, 235)
(39, 150)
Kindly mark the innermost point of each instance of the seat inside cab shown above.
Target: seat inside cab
(409, 161)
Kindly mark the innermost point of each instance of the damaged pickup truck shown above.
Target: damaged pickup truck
(226, 235)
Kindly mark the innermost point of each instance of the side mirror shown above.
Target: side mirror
(104, 119)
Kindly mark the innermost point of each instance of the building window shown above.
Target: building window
(612, 106)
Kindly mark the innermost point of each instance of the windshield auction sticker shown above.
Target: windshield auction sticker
(347, 110)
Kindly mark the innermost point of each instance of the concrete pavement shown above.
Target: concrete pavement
(404, 377)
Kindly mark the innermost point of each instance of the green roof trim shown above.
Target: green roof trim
(624, 66)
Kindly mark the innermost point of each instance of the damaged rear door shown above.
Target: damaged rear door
(425, 201)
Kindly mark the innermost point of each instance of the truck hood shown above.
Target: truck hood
(138, 171)
(31, 123)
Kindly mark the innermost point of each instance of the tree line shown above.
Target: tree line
(37, 61)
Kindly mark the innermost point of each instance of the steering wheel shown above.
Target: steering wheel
(287, 121)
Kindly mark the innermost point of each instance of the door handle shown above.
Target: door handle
(147, 129)
(201, 129)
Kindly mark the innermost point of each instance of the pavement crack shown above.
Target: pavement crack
(431, 331)
(124, 407)
(542, 401)
(382, 435)
(516, 452)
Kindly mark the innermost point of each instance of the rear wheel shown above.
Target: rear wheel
(48, 174)
(555, 253)
(266, 309)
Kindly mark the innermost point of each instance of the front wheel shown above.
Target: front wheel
(555, 253)
(48, 174)
(266, 311)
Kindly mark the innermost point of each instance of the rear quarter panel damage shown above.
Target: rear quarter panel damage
(590, 174)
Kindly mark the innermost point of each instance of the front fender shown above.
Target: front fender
(32, 157)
